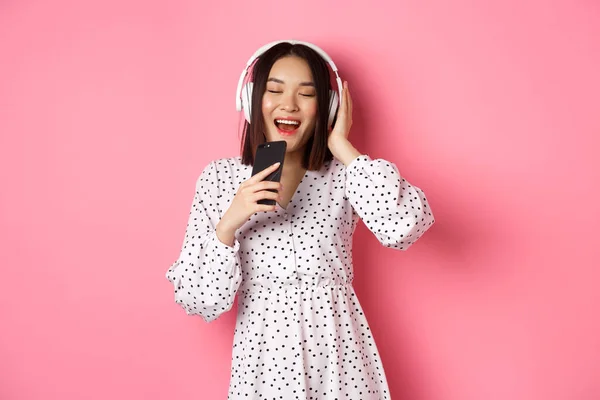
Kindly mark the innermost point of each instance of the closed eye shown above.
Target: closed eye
(301, 94)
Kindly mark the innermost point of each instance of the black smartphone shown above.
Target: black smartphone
(268, 154)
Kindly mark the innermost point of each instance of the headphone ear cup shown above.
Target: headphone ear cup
(333, 106)
(247, 100)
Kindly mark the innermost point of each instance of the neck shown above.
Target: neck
(293, 160)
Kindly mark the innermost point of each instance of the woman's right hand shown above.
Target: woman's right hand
(245, 203)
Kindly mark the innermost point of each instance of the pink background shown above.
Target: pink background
(110, 109)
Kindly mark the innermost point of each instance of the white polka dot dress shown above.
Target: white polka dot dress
(300, 330)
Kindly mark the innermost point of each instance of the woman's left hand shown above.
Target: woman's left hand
(341, 130)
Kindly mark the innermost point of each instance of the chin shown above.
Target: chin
(295, 139)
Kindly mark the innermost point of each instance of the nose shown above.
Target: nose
(288, 102)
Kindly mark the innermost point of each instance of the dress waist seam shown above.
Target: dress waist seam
(294, 286)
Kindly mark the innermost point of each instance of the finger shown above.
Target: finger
(349, 105)
(347, 95)
(265, 207)
(265, 194)
(349, 116)
(342, 108)
(263, 174)
(349, 99)
(264, 185)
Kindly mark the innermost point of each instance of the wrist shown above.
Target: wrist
(225, 233)
(343, 150)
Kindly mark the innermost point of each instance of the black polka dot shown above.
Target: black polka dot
(300, 329)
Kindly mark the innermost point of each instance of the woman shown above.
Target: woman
(300, 330)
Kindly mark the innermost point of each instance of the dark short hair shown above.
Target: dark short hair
(317, 152)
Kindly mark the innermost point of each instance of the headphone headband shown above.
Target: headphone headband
(260, 51)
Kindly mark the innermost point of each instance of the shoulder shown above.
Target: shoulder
(227, 169)
(222, 164)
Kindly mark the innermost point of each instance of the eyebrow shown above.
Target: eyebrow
(282, 82)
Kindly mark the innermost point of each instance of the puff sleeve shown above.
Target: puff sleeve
(207, 274)
(395, 211)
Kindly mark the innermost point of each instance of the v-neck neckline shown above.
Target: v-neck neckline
(294, 194)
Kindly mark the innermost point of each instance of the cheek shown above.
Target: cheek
(311, 110)
(267, 104)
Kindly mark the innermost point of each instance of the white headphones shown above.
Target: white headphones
(243, 100)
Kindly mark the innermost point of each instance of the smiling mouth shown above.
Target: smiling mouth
(287, 125)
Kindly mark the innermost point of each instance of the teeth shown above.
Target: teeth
(285, 121)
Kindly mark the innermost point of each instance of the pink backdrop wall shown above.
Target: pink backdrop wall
(109, 110)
